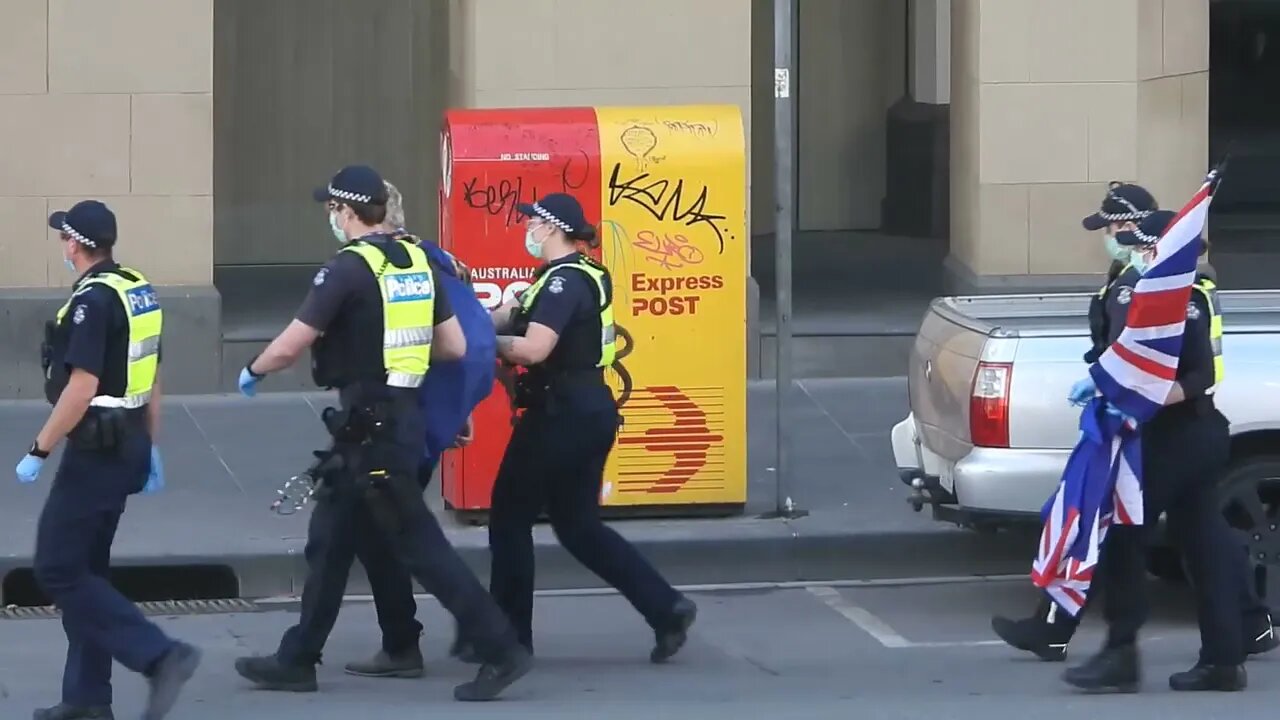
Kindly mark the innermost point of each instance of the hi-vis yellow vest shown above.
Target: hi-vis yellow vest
(608, 334)
(1206, 287)
(408, 311)
(142, 309)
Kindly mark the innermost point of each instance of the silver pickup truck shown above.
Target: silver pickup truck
(990, 428)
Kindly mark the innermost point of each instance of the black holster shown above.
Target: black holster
(361, 434)
(104, 429)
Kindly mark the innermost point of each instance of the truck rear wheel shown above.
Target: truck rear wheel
(1250, 501)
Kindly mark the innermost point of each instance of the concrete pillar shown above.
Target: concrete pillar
(112, 100)
(1052, 100)
(931, 51)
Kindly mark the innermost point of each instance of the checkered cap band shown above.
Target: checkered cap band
(546, 215)
(77, 236)
(350, 196)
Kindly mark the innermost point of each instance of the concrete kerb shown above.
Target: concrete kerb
(767, 552)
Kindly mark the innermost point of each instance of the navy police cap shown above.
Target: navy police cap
(354, 183)
(88, 222)
(1124, 202)
(1149, 229)
(560, 209)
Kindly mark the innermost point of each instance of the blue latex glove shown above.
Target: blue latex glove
(248, 383)
(155, 480)
(1082, 391)
(29, 468)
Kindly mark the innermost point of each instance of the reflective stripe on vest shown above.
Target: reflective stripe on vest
(142, 310)
(1209, 290)
(408, 311)
(608, 333)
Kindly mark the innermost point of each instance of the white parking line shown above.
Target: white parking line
(725, 587)
(877, 628)
(874, 626)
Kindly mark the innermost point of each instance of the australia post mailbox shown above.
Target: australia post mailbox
(666, 187)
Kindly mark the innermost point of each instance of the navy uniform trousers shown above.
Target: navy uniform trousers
(341, 522)
(73, 554)
(1184, 451)
(556, 461)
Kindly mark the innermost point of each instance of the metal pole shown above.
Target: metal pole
(785, 34)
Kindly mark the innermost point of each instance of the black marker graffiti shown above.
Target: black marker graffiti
(503, 198)
(664, 201)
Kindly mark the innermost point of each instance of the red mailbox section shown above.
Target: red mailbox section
(492, 160)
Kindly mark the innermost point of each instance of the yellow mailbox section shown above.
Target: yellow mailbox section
(674, 234)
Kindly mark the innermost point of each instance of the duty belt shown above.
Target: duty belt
(131, 402)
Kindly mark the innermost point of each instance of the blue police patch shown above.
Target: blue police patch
(408, 287)
(142, 300)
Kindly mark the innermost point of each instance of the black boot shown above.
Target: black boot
(1204, 677)
(493, 678)
(1112, 670)
(1260, 636)
(1045, 634)
(407, 664)
(668, 640)
(63, 711)
(268, 673)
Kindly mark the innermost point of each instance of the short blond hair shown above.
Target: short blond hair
(395, 206)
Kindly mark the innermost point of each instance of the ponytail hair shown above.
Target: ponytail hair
(586, 234)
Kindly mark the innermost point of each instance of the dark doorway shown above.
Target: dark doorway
(1244, 120)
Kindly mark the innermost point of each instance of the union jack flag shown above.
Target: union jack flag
(1102, 482)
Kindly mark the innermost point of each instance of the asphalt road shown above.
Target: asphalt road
(909, 652)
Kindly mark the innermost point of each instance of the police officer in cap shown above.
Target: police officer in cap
(1048, 631)
(101, 359)
(561, 329)
(1185, 447)
(375, 317)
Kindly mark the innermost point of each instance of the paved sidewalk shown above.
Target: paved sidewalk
(225, 456)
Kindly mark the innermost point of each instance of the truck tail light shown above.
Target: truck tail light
(989, 405)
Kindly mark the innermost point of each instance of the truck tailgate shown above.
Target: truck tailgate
(940, 378)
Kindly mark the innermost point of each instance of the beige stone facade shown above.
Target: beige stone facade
(1048, 104)
(111, 100)
(115, 99)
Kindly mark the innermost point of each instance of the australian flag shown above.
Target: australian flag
(1102, 482)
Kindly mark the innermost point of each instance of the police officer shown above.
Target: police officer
(1185, 446)
(561, 329)
(369, 315)
(101, 360)
(1049, 630)
(448, 394)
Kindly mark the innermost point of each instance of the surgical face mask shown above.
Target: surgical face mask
(1140, 261)
(336, 228)
(66, 259)
(531, 243)
(1115, 249)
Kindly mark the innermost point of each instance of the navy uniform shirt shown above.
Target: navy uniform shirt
(569, 305)
(98, 334)
(1118, 299)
